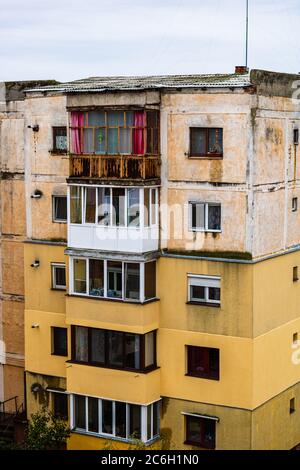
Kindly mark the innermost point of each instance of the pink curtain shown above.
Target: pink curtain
(77, 121)
(138, 134)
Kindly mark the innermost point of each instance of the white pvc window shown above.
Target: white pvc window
(115, 419)
(111, 279)
(113, 206)
(58, 276)
(204, 217)
(204, 289)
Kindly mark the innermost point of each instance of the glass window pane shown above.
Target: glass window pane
(96, 118)
(80, 418)
(135, 422)
(149, 349)
(88, 141)
(198, 216)
(79, 276)
(60, 208)
(156, 410)
(97, 346)
(120, 419)
(149, 422)
(60, 138)
(133, 207)
(129, 118)
(197, 293)
(118, 201)
(146, 207)
(198, 141)
(153, 206)
(113, 141)
(93, 415)
(214, 363)
(107, 426)
(150, 280)
(132, 281)
(59, 277)
(60, 341)
(115, 118)
(214, 293)
(90, 205)
(75, 192)
(115, 348)
(114, 279)
(104, 206)
(193, 429)
(81, 344)
(100, 141)
(215, 140)
(96, 273)
(132, 351)
(214, 217)
(125, 146)
(60, 405)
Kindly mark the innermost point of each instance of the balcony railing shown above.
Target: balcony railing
(125, 167)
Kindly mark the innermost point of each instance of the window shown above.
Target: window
(206, 142)
(204, 290)
(59, 206)
(295, 274)
(59, 338)
(114, 349)
(295, 338)
(203, 362)
(117, 419)
(135, 282)
(60, 405)
(58, 276)
(296, 136)
(60, 143)
(114, 132)
(204, 217)
(294, 204)
(200, 432)
(292, 406)
(113, 207)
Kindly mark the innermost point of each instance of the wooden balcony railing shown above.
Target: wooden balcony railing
(115, 167)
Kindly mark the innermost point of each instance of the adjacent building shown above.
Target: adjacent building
(161, 259)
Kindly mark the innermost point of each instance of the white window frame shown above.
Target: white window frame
(153, 214)
(294, 204)
(206, 207)
(53, 275)
(206, 282)
(54, 218)
(105, 286)
(143, 422)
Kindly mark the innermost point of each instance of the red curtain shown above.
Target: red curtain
(77, 121)
(138, 133)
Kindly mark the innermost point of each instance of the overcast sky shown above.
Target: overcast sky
(72, 39)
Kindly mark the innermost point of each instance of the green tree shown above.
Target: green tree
(46, 431)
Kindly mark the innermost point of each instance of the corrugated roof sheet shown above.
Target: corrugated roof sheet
(101, 84)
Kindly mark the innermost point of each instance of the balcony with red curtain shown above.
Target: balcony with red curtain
(114, 144)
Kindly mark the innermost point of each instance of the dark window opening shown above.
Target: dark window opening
(59, 208)
(59, 341)
(294, 204)
(296, 136)
(292, 406)
(114, 349)
(206, 142)
(203, 362)
(295, 274)
(201, 432)
(60, 405)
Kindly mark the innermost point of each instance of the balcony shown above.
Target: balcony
(115, 167)
(109, 144)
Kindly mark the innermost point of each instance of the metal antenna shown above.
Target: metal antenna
(247, 30)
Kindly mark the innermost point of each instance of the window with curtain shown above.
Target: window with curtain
(113, 132)
(75, 205)
(96, 277)
(81, 344)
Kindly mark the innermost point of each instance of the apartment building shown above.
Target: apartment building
(167, 307)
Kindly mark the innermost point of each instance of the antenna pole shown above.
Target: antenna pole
(247, 30)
